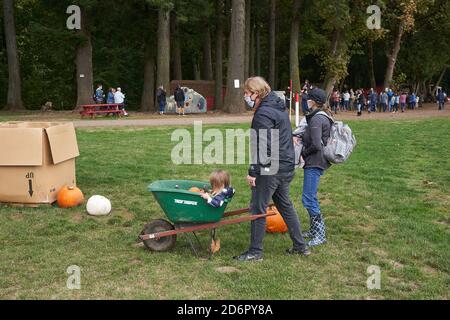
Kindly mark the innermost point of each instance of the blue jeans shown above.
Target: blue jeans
(311, 182)
(347, 105)
(162, 106)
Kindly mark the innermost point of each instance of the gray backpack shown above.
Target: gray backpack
(341, 143)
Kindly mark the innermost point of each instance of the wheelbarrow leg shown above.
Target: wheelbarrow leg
(194, 245)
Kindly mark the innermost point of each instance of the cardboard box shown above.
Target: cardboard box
(37, 159)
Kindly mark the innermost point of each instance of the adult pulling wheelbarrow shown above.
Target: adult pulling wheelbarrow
(187, 213)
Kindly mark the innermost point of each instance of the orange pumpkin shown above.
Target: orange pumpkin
(275, 224)
(196, 190)
(69, 197)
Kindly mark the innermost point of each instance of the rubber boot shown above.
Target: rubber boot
(319, 231)
(311, 232)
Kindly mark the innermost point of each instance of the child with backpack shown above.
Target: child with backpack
(329, 142)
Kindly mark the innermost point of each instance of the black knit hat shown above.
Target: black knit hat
(317, 95)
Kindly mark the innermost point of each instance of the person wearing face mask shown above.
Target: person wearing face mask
(272, 170)
(314, 139)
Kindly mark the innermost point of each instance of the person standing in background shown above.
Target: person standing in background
(110, 98)
(119, 98)
(180, 100)
(99, 95)
(161, 97)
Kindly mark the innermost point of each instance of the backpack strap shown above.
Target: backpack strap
(326, 115)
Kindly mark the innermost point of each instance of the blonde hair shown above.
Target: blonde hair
(326, 108)
(258, 85)
(219, 178)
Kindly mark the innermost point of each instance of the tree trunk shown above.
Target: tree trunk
(163, 55)
(392, 57)
(438, 83)
(14, 101)
(234, 100)
(176, 50)
(272, 41)
(258, 50)
(248, 26)
(148, 93)
(197, 72)
(207, 70)
(252, 50)
(336, 47)
(293, 52)
(424, 89)
(85, 77)
(219, 55)
(373, 82)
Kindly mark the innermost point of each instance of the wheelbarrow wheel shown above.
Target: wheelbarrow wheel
(161, 244)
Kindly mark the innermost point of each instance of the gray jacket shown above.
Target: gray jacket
(315, 137)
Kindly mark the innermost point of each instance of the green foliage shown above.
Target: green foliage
(121, 29)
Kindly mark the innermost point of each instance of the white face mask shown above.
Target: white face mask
(249, 102)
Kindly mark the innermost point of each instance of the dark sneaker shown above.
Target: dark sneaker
(246, 256)
(304, 252)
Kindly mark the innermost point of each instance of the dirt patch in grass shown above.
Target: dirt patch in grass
(366, 227)
(17, 217)
(396, 265)
(442, 222)
(379, 252)
(127, 215)
(77, 217)
(429, 270)
(228, 270)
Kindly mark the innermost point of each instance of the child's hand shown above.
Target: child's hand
(204, 196)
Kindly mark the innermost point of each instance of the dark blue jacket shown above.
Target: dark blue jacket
(271, 116)
(218, 200)
(110, 97)
(374, 98)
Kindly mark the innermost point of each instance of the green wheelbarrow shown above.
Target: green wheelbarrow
(187, 213)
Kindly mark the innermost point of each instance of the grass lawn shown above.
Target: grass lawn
(389, 206)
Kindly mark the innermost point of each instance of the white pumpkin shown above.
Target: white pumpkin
(98, 206)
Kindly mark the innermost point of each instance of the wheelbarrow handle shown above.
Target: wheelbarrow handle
(241, 211)
(204, 226)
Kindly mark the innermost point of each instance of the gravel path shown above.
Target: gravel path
(428, 111)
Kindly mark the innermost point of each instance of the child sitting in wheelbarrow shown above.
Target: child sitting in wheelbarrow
(221, 189)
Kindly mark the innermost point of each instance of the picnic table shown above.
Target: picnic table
(93, 110)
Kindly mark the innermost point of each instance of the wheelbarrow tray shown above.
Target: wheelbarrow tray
(182, 206)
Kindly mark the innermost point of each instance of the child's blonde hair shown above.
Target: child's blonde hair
(219, 178)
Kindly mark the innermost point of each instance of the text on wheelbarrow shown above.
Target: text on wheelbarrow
(189, 203)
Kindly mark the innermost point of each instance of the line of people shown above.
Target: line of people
(386, 101)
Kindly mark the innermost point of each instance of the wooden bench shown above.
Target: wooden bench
(93, 110)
